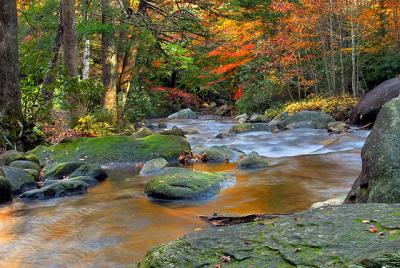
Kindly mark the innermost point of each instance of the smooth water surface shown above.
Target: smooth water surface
(115, 223)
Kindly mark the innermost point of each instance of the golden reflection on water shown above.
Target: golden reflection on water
(115, 223)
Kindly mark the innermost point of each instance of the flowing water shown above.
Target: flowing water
(115, 223)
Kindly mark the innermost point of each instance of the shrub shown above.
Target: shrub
(338, 106)
(87, 126)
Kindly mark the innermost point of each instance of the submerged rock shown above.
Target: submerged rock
(56, 190)
(184, 184)
(153, 166)
(25, 164)
(324, 237)
(20, 179)
(5, 191)
(379, 181)
(369, 106)
(249, 127)
(319, 120)
(184, 114)
(253, 161)
(113, 150)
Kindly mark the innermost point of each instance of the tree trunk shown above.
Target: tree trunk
(353, 52)
(109, 61)
(10, 97)
(86, 42)
(73, 99)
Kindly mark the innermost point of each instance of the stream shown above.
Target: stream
(115, 224)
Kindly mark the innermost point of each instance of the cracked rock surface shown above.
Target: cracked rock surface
(325, 237)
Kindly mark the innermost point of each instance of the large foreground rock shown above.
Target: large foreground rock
(113, 150)
(184, 114)
(369, 106)
(325, 237)
(379, 181)
(56, 190)
(184, 184)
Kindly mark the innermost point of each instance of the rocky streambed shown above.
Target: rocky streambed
(115, 223)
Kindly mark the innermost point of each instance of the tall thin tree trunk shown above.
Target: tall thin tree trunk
(11, 118)
(109, 62)
(73, 99)
(332, 47)
(353, 52)
(50, 76)
(86, 42)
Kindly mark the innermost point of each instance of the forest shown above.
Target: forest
(250, 133)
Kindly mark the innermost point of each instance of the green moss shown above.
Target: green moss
(113, 149)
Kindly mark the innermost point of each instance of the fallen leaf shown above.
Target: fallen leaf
(226, 258)
(373, 229)
(365, 221)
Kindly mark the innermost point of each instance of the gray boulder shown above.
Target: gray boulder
(56, 190)
(259, 118)
(25, 164)
(250, 127)
(91, 170)
(10, 156)
(153, 166)
(253, 161)
(184, 114)
(61, 170)
(216, 154)
(184, 184)
(143, 132)
(369, 106)
(224, 110)
(174, 131)
(5, 191)
(20, 180)
(319, 120)
(379, 181)
(338, 127)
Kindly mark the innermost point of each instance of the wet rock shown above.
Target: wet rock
(303, 124)
(174, 131)
(259, 118)
(10, 156)
(20, 180)
(153, 166)
(242, 118)
(274, 123)
(369, 106)
(90, 181)
(5, 191)
(225, 135)
(113, 150)
(336, 201)
(224, 110)
(324, 237)
(184, 114)
(319, 120)
(216, 154)
(34, 173)
(143, 132)
(184, 184)
(91, 170)
(56, 190)
(25, 164)
(61, 170)
(253, 161)
(379, 181)
(338, 127)
(249, 127)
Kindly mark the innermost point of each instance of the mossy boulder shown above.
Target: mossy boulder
(61, 170)
(185, 184)
(10, 156)
(319, 120)
(153, 166)
(379, 181)
(174, 131)
(113, 150)
(90, 181)
(91, 170)
(143, 132)
(56, 190)
(5, 191)
(253, 161)
(20, 179)
(184, 114)
(326, 237)
(250, 127)
(25, 164)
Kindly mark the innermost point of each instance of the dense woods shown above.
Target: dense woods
(116, 62)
